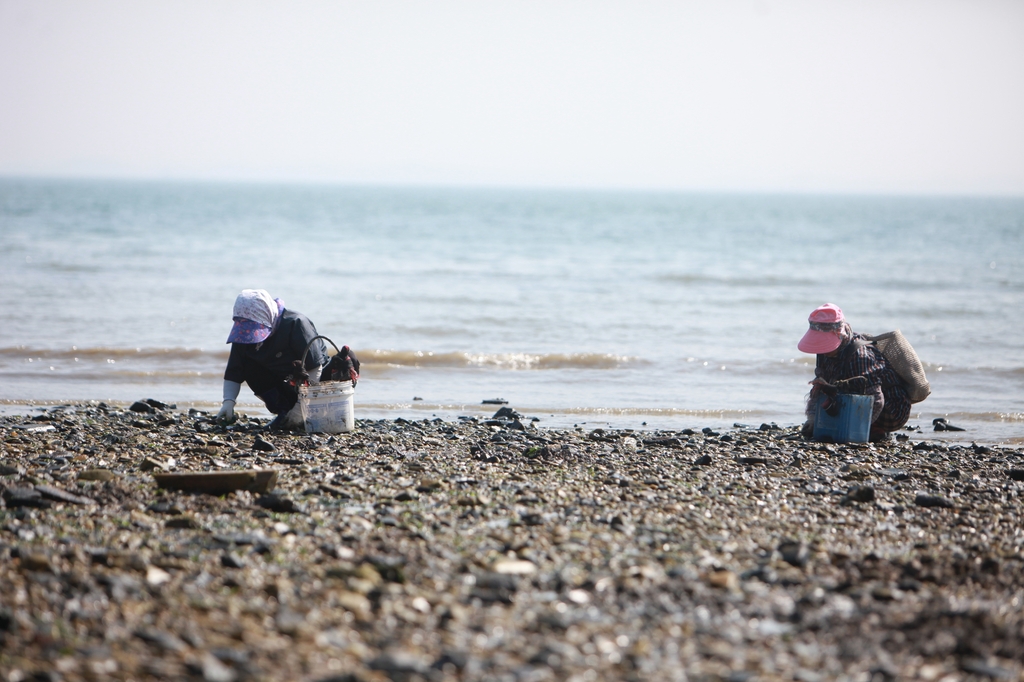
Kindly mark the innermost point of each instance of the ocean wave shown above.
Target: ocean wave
(1013, 417)
(29, 354)
(741, 282)
(392, 358)
(540, 411)
(509, 361)
(189, 362)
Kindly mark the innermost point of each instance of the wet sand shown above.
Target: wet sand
(498, 549)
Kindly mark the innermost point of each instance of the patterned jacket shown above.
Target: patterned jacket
(859, 358)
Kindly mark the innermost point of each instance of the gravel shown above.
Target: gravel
(501, 550)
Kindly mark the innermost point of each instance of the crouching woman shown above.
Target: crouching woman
(849, 363)
(267, 341)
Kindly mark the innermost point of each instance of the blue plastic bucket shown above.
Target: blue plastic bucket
(851, 425)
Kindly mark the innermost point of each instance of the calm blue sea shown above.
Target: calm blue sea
(634, 310)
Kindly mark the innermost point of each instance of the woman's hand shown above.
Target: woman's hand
(227, 412)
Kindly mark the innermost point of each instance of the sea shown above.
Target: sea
(591, 309)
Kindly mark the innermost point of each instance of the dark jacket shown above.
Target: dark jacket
(263, 366)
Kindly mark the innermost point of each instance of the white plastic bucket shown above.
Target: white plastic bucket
(327, 407)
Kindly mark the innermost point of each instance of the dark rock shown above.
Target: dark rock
(977, 667)
(183, 522)
(164, 640)
(231, 560)
(25, 497)
(794, 553)
(533, 519)
(941, 424)
(703, 460)
(232, 656)
(506, 413)
(58, 495)
(144, 408)
(406, 496)
(389, 567)
(503, 581)
(1016, 474)
(263, 445)
(763, 573)
(925, 500)
(861, 493)
(164, 508)
(400, 663)
(280, 503)
(664, 442)
(458, 659)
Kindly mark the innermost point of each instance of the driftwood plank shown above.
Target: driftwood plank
(219, 482)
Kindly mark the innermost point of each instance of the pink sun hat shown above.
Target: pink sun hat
(823, 336)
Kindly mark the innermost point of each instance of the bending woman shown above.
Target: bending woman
(849, 363)
(266, 341)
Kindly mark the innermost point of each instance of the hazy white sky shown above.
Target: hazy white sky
(817, 95)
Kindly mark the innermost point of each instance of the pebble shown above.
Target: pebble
(500, 549)
(925, 500)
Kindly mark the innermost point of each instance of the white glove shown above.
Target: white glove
(314, 374)
(227, 408)
(227, 412)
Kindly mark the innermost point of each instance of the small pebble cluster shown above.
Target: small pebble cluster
(499, 550)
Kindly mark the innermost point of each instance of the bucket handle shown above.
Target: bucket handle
(310, 345)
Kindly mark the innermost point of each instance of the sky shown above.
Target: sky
(866, 96)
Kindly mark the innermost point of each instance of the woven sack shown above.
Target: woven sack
(904, 361)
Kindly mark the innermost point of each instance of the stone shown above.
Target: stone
(58, 495)
(794, 553)
(514, 567)
(280, 503)
(861, 493)
(262, 445)
(100, 475)
(925, 500)
(183, 522)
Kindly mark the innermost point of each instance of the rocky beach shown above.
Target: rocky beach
(144, 542)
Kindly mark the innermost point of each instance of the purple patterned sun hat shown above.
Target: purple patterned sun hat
(254, 314)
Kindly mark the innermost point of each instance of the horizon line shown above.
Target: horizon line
(494, 186)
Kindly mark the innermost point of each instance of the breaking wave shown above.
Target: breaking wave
(510, 361)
